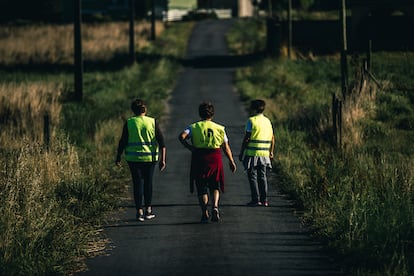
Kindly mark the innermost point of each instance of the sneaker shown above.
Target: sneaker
(204, 219)
(149, 215)
(140, 217)
(216, 214)
(266, 204)
(254, 203)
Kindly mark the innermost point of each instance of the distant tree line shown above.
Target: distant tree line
(301, 4)
(320, 5)
(59, 11)
(30, 10)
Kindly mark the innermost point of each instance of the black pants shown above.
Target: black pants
(142, 174)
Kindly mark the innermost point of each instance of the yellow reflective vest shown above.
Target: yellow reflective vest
(261, 136)
(142, 145)
(207, 134)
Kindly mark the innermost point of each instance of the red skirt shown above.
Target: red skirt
(206, 165)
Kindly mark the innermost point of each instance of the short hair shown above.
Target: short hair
(257, 105)
(138, 106)
(206, 110)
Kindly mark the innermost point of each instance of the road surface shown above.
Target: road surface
(248, 240)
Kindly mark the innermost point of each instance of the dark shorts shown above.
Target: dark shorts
(203, 187)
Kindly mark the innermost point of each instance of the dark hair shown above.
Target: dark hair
(206, 110)
(138, 106)
(257, 106)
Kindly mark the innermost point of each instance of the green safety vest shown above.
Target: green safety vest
(142, 144)
(207, 135)
(261, 136)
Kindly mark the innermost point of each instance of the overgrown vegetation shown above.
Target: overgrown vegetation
(359, 199)
(54, 194)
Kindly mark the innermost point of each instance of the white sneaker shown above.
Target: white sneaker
(140, 217)
(216, 215)
(149, 216)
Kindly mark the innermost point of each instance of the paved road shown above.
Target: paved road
(247, 241)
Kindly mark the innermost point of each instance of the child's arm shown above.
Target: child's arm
(227, 151)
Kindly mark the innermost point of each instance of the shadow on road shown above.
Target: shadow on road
(223, 61)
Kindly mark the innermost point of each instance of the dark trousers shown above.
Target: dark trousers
(142, 174)
(258, 183)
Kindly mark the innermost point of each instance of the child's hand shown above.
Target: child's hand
(232, 165)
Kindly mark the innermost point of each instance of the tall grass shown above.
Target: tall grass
(53, 44)
(359, 200)
(55, 197)
(23, 107)
(44, 196)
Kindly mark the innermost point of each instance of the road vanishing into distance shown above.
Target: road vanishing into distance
(247, 240)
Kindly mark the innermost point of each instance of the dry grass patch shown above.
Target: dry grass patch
(22, 110)
(54, 43)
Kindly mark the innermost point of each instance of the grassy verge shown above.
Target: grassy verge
(54, 197)
(360, 199)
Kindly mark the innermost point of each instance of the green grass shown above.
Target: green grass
(54, 201)
(246, 38)
(358, 200)
(39, 234)
(182, 4)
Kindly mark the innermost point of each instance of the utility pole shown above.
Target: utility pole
(152, 19)
(270, 8)
(344, 52)
(290, 29)
(132, 31)
(78, 50)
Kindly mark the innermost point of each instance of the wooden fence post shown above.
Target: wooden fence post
(340, 105)
(337, 121)
(46, 131)
(152, 19)
(369, 54)
(131, 31)
(290, 32)
(273, 35)
(334, 120)
(344, 50)
(78, 50)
